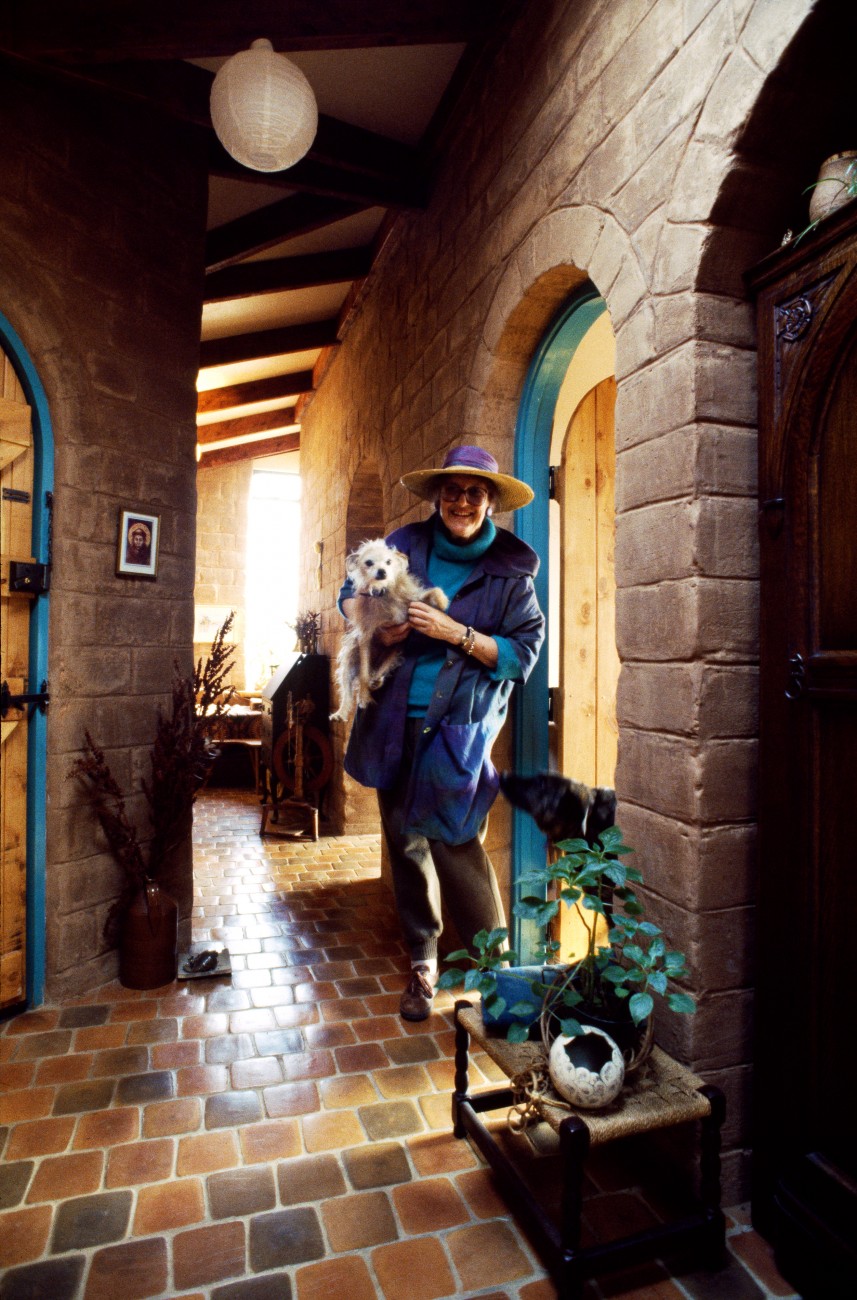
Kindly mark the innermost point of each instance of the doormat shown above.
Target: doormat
(201, 961)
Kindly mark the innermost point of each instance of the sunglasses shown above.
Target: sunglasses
(451, 492)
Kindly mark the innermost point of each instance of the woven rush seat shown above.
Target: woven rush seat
(657, 1095)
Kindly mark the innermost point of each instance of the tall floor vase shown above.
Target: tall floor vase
(149, 940)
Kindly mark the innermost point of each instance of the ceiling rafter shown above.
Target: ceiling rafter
(398, 189)
(269, 226)
(344, 161)
(280, 387)
(102, 31)
(250, 451)
(268, 343)
(251, 279)
(245, 425)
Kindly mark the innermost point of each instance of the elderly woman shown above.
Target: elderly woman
(425, 744)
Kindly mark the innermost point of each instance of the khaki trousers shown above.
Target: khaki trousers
(427, 871)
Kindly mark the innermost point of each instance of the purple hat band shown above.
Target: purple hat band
(470, 458)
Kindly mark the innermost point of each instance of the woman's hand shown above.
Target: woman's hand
(434, 623)
(392, 633)
(440, 627)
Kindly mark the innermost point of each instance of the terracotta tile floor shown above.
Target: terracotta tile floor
(280, 1134)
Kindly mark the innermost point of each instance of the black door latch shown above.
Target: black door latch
(29, 578)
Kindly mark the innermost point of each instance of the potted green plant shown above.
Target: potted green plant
(616, 981)
(143, 920)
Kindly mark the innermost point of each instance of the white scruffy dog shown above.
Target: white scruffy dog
(384, 588)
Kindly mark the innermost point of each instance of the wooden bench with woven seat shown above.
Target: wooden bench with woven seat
(662, 1093)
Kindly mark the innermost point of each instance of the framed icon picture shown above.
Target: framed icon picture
(137, 555)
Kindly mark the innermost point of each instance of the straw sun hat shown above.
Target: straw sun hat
(511, 492)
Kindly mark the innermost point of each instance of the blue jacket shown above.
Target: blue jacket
(453, 783)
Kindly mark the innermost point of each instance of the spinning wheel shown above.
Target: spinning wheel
(302, 762)
(315, 763)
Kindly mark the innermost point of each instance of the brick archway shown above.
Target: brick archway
(364, 516)
(565, 248)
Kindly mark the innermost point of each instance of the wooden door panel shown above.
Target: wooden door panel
(834, 907)
(834, 514)
(804, 1049)
(578, 586)
(607, 737)
(16, 487)
(589, 660)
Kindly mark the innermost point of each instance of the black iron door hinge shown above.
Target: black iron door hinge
(9, 701)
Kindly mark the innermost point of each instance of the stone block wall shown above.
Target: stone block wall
(102, 222)
(604, 141)
(221, 550)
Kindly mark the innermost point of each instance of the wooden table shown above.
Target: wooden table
(661, 1094)
(239, 727)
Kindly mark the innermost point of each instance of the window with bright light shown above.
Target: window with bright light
(273, 572)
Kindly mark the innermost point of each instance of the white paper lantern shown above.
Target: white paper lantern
(263, 109)
(587, 1070)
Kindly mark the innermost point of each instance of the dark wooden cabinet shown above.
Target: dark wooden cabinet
(299, 675)
(805, 1117)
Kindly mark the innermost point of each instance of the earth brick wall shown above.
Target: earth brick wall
(102, 220)
(598, 142)
(221, 550)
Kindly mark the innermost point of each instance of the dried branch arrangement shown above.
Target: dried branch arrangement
(181, 758)
(307, 627)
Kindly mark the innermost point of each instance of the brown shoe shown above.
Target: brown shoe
(417, 998)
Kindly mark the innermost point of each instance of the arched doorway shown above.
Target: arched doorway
(583, 663)
(564, 446)
(26, 464)
(365, 514)
(353, 807)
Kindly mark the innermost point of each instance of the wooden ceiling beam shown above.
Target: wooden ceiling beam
(397, 190)
(250, 279)
(268, 343)
(344, 161)
(102, 31)
(249, 451)
(271, 225)
(245, 425)
(257, 390)
(354, 147)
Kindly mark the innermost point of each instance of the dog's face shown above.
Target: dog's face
(562, 808)
(375, 566)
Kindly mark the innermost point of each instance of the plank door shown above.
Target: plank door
(16, 490)
(805, 1052)
(589, 660)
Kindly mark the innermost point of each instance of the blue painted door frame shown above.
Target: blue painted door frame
(533, 432)
(43, 482)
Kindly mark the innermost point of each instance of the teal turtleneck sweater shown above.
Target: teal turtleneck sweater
(450, 565)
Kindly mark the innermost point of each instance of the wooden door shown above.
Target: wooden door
(16, 490)
(804, 1064)
(589, 662)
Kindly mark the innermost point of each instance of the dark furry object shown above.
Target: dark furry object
(562, 808)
